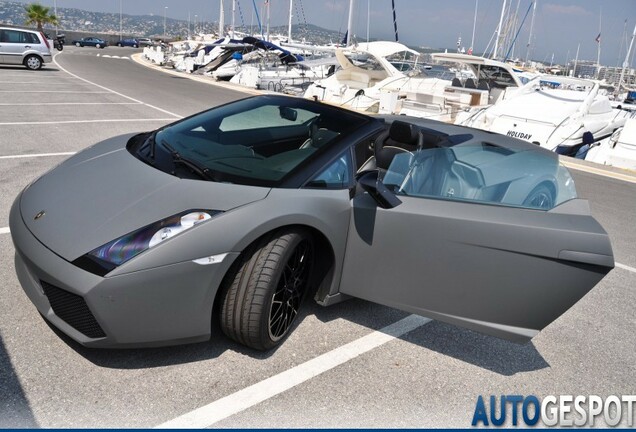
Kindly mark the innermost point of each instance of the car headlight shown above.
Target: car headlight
(114, 253)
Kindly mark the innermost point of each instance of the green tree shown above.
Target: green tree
(38, 14)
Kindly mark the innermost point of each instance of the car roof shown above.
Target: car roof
(20, 29)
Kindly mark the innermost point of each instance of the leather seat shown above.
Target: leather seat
(401, 137)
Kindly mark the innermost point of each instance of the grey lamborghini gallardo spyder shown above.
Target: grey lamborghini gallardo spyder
(234, 215)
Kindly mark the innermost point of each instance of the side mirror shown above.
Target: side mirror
(288, 113)
(371, 183)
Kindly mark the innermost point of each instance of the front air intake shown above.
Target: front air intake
(73, 310)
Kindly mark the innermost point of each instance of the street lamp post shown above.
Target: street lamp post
(55, 12)
(165, 10)
(196, 32)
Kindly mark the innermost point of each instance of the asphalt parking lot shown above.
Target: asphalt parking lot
(349, 365)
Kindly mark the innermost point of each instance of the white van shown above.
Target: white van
(26, 47)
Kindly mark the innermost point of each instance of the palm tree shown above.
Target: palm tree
(38, 14)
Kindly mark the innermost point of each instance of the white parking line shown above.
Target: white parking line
(69, 103)
(248, 397)
(22, 156)
(87, 121)
(54, 91)
(113, 91)
(5, 230)
(626, 267)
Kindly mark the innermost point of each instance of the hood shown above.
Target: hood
(105, 192)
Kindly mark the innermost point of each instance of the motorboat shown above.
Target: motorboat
(553, 112)
(617, 150)
(374, 77)
(478, 83)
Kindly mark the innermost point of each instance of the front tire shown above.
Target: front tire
(77, 44)
(98, 46)
(33, 62)
(261, 300)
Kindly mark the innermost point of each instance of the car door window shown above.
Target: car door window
(12, 36)
(484, 173)
(337, 175)
(31, 38)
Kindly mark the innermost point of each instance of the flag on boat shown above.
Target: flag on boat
(598, 38)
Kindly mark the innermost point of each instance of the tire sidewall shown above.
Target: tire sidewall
(297, 237)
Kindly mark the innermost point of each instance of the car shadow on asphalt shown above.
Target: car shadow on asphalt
(487, 352)
(496, 355)
(45, 69)
(15, 410)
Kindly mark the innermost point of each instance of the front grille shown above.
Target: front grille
(73, 310)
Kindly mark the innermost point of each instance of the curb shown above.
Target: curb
(138, 58)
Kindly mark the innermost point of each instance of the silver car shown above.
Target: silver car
(234, 215)
(26, 47)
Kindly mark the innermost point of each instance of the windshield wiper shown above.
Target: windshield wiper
(202, 171)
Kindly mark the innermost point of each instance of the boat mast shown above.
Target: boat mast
(350, 23)
(503, 10)
(267, 3)
(576, 60)
(626, 62)
(233, 13)
(598, 41)
(534, 10)
(397, 39)
(221, 19)
(472, 40)
(289, 27)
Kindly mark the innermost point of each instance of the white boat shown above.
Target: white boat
(373, 77)
(619, 149)
(553, 112)
(478, 83)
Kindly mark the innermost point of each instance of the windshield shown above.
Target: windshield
(255, 141)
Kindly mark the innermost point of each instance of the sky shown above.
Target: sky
(559, 25)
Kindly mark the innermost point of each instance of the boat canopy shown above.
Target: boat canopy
(383, 48)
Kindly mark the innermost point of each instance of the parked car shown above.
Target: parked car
(26, 47)
(144, 42)
(128, 43)
(236, 214)
(91, 41)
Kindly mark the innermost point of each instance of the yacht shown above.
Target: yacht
(619, 149)
(373, 77)
(553, 112)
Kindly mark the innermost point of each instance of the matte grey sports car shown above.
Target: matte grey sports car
(235, 214)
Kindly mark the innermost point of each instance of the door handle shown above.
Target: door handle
(27, 46)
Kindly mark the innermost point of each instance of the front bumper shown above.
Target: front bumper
(161, 306)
